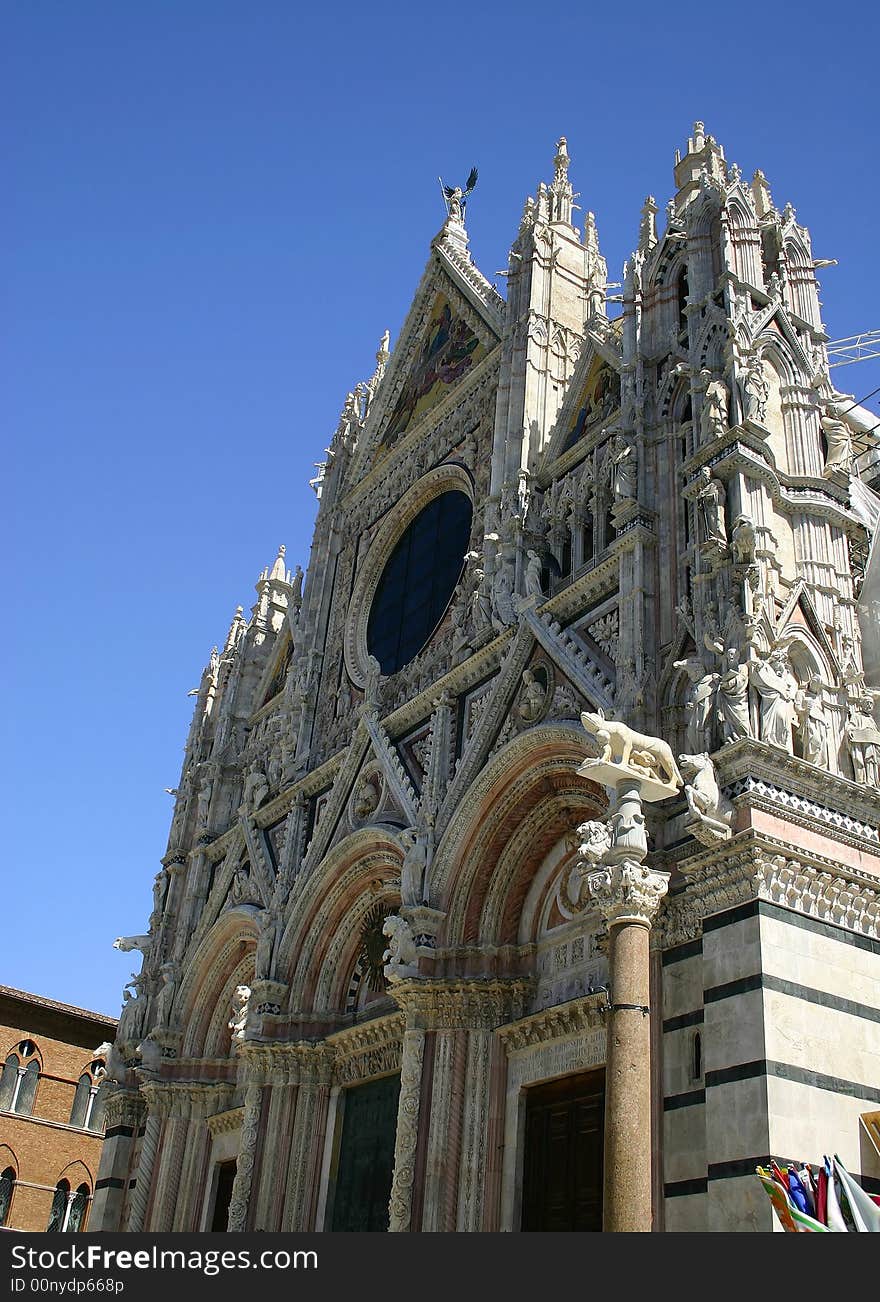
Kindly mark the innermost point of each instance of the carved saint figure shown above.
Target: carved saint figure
(416, 842)
(756, 391)
(699, 700)
(533, 575)
(203, 801)
(733, 697)
(256, 789)
(165, 997)
(813, 719)
(502, 598)
(863, 737)
(366, 799)
(131, 1019)
(711, 499)
(838, 441)
(265, 945)
(623, 468)
(531, 702)
(713, 416)
(776, 686)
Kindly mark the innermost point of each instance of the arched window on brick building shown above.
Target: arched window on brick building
(88, 1101)
(7, 1188)
(18, 1084)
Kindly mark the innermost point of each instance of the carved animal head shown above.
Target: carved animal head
(690, 765)
(592, 722)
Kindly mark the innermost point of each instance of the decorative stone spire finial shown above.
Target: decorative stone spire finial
(561, 193)
(236, 629)
(648, 225)
(279, 569)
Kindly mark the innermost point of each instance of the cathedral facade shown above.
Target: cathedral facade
(417, 962)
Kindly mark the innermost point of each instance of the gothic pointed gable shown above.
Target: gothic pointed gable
(454, 323)
(799, 609)
(593, 396)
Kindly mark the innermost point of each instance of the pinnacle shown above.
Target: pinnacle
(279, 569)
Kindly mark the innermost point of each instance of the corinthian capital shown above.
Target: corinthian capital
(627, 892)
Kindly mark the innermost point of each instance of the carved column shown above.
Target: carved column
(140, 1196)
(244, 1171)
(476, 1117)
(308, 1137)
(125, 1114)
(444, 1128)
(400, 1204)
(628, 895)
(168, 1178)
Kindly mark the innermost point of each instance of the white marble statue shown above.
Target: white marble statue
(713, 416)
(705, 799)
(863, 740)
(814, 723)
(401, 951)
(165, 997)
(838, 442)
(733, 697)
(416, 842)
(268, 923)
(711, 498)
(623, 468)
(533, 575)
(240, 1011)
(699, 700)
(622, 746)
(755, 391)
(777, 689)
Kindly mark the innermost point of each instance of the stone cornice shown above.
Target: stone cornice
(755, 866)
(753, 761)
(577, 1017)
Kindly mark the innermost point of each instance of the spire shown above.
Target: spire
(273, 594)
(236, 629)
(596, 269)
(279, 569)
(702, 163)
(648, 225)
(561, 193)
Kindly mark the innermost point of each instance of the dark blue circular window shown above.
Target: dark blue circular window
(419, 580)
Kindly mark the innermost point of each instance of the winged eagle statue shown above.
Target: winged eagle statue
(456, 198)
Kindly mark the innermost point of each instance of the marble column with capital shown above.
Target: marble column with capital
(628, 895)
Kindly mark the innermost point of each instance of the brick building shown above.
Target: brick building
(51, 1111)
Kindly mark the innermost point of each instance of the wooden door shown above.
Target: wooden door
(366, 1156)
(562, 1172)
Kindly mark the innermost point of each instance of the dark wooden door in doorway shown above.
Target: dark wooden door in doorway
(562, 1175)
(366, 1156)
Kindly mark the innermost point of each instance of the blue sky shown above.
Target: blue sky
(213, 211)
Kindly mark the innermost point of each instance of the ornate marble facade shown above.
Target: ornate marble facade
(660, 534)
